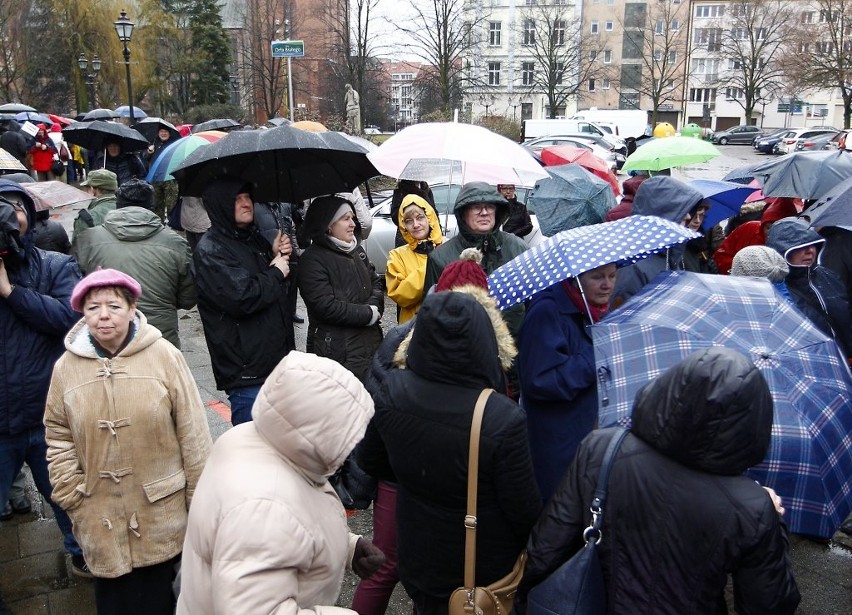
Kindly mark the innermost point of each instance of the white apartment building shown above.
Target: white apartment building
(403, 92)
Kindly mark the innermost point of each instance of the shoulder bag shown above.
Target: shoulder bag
(497, 598)
(577, 586)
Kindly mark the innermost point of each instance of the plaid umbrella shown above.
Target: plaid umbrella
(570, 253)
(809, 462)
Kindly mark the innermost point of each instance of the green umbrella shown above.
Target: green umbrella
(670, 152)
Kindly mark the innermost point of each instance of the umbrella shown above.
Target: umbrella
(809, 462)
(277, 121)
(184, 129)
(175, 153)
(99, 114)
(310, 125)
(15, 108)
(58, 119)
(670, 152)
(741, 175)
(565, 154)
(365, 143)
(35, 118)
(9, 163)
(807, 175)
(834, 208)
(284, 163)
(94, 135)
(578, 250)
(726, 199)
(218, 124)
(442, 150)
(570, 197)
(124, 111)
(150, 126)
(49, 194)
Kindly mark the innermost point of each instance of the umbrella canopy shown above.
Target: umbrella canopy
(184, 129)
(741, 175)
(807, 175)
(99, 114)
(361, 141)
(809, 462)
(565, 154)
(726, 199)
(150, 126)
(570, 197)
(175, 153)
(284, 163)
(15, 108)
(277, 121)
(578, 250)
(217, 124)
(58, 119)
(35, 118)
(670, 152)
(9, 163)
(49, 194)
(124, 111)
(310, 125)
(834, 208)
(94, 135)
(453, 152)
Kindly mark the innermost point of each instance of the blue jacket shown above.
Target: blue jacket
(556, 368)
(33, 322)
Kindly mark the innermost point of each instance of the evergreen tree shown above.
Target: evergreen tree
(211, 51)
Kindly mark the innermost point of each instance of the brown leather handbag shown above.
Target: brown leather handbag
(497, 598)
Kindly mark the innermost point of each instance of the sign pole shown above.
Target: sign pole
(290, 89)
(288, 49)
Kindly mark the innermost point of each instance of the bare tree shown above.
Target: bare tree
(11, 55)
(266, 77)
(822, 54)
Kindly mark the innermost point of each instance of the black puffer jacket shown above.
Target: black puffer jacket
(125, 166)
(241, 299)
(680, 516)
(423, 417)
(338, 289)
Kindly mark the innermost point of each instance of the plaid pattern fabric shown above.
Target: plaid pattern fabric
(575, 251)
(809, 462)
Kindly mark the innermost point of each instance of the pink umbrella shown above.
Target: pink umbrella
(757, 195)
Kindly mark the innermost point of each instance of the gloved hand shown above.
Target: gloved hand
(368, 558)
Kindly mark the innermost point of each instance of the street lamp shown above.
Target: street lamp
(486, 101)
(124, 29)
(91, 77)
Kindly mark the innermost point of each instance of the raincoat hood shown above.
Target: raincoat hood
(219, 198)
(790, 234)
(312, 411)
(665, 197)
(435, 235)
(133, 223)
(776, 209)
(711, 412)
(319, 217)
(480, 192)
(10, 187)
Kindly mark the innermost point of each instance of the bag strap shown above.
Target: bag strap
(472, 479)
(593, 532)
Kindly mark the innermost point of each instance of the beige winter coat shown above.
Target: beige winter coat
(266, 532)
(127, 439)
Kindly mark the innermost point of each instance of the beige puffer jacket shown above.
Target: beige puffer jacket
(266, 532)
(127, 439)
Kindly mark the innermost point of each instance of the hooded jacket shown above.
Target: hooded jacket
(816, 290)
(752, 233)
(94, 215)
(267, 534)
(625, 206)
(241, 299)
(103, 416)
(15, 142)
(453, 353)
(339, 289)
(43, 158)
(406, 268)
(666, 198)
(135, 241)
(33, 319)
(680, 516)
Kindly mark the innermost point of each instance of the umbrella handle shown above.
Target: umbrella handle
(603, 376)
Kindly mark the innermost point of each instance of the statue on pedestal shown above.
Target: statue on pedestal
(353, 110)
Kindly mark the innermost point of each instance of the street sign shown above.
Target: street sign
(288, 49)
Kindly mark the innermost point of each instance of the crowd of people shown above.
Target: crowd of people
(94, 382)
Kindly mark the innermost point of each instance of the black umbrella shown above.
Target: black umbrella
(95, 135)
(100, 114)
(15, 108)
(218, 124)
(150, 126)
(741, 175)
(833, 208)
(278, 121)
(284, 163)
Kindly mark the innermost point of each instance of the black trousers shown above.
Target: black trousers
(142, 591)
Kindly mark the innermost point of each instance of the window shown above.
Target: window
(702, 94)
(593, 55)
(594, 27)
(559, 32)
(660, 27)
(760, 34)
(735, 65)
(529, 32)
(560, 71)
(591, 85)
(804, 47)
(608, 26)
(672, 56)
(705, 66)
(610, 2)
(530, 2)
(632, 45)
(635, 14)
(605, 84)
(739, 34)
(808, 16)
(607, 56)
(825, 47)
(494, 33)
(734, 93)
(740, 10)
(526, 110)
(494, 73)
(631, 76)
(827, 16)
(658, 55)
(710, 10)
(675, 25)
(527, 73)
(711, 37)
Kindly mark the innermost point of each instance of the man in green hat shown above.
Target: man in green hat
(101, 184)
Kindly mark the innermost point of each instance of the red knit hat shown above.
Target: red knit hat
(466, 270)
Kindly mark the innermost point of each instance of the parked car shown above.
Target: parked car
(767, 142)
(383, 233)
(372, 130)
(815, 142)
(737, 134)
(788, 143)
(840, 141)
(610, 154)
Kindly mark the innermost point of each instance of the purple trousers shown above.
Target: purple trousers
(373, 594)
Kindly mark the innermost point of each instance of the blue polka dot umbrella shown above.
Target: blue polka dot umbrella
(575, 251)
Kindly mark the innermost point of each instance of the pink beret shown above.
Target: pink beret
(99, 279)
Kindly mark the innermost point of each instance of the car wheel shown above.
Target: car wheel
(723, 141)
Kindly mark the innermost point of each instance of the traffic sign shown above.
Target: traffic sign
(288, 49)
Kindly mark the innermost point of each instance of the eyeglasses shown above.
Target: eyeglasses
(484, 208)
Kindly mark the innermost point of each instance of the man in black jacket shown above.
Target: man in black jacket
(242, 284)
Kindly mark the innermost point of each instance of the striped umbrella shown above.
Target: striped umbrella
(174, 154)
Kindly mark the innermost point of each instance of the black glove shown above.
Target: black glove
(368, 558)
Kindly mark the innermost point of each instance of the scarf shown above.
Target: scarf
(595, 311)
(343, 246)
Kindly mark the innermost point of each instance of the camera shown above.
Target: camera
(10, 243)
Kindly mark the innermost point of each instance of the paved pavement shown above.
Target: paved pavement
(34, 572)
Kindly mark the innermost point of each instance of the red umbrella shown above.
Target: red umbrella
(58, 119)
(565, 154)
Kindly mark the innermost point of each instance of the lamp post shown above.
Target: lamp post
(486, 101)
(91, 77)
(124, 29)
(289, 73)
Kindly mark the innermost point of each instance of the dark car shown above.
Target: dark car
(767, 142)
(737, 134)
(815, 142)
